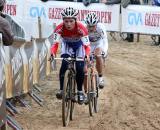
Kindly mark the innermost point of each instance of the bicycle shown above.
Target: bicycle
(92, 86)
(69, 90)
(93, 83)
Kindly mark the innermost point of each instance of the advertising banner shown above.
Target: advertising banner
(26, 14)
(141, 19)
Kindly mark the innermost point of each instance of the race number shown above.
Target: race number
(85, 40)
(56, 37)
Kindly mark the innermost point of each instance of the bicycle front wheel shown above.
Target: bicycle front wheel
(66, 100)
(73, 97)
(90, 97)
(97, 94)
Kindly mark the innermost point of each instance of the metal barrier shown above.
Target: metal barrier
(2, 91)
(22, 66)
(25, 64)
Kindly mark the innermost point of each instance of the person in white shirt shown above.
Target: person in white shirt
(99, 42)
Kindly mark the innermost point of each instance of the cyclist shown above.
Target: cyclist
(99, 42)
(74, 40)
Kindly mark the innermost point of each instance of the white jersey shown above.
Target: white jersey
(98, 39)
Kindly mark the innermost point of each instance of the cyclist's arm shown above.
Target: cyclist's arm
(86, 44)
(56, 39)
(54, 47)
(105, 39)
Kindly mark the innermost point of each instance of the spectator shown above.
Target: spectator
(156, 2)
(85, 2)
(56, 0)
(88, 2)
(124, 3)
(5, 27)
(110, 2)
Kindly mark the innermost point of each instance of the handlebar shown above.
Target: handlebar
(67, 59)
(100, 55)
(70, 59)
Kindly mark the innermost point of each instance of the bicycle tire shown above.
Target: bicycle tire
(66, 102)
(90, 99)
(97, 94)
(73, 101)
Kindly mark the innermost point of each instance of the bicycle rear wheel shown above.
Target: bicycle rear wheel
(90, 97)
(66, 101)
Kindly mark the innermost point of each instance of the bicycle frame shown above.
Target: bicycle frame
(91, 85)
(71, 64)
(93, 71)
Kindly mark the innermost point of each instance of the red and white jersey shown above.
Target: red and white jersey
(76, 39)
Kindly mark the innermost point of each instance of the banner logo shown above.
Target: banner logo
(135, 19)
(37, 12)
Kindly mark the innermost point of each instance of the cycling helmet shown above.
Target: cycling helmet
(91, 19)
(2, 2)
(69, 13)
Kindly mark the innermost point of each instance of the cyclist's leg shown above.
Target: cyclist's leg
(80, 79)
(62, 71)
(99, 62)
(79, 74)
(85, 78)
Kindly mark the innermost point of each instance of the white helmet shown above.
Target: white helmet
(69, 13)
(91, 19)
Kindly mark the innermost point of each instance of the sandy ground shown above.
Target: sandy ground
(130, 100)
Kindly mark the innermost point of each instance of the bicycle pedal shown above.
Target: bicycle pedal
(74, 98)
(80, 103)
(93, 94)
(67, 98)
(86, 101)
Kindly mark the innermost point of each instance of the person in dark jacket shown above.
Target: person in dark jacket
(85, 2)
(88, 2)
(124, 3)
(5, 27)
(110, 2)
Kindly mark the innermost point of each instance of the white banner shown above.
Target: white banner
(26, 13)
(141, 19)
